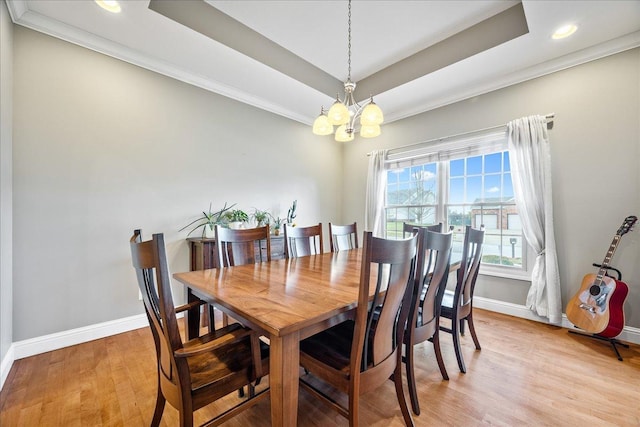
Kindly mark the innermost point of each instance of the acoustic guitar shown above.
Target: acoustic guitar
(597, 308)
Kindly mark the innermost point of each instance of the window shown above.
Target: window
(460, 187)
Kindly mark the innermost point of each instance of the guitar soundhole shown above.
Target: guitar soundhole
(594, 290)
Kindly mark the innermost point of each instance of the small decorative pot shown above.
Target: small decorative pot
(209, 232)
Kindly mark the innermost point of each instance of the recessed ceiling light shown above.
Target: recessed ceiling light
(564, 31)
(110, 5)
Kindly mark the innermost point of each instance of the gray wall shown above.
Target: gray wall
(6, 106)
(102, 147)
(595, 147)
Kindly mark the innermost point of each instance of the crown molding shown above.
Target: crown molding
(17, 8)
(21, 15)
(57, 29)
(602, 50)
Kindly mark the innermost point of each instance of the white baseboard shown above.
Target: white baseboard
(6, 364)
(62, 339)
(628, 334)
(33, 346)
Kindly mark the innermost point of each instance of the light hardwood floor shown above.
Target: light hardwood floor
(527, 373)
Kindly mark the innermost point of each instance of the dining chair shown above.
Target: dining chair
(359, 355)
(241, 246)
(457, 305)
(408, 228)
(302, 241)
(432, 272)
(343, 237)
(195, 373)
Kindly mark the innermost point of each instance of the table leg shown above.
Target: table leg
(284, 358)
(192, 317)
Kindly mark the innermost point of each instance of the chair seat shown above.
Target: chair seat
(209, 368)
(332, 346)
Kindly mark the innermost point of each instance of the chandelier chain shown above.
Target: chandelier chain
(349, 44)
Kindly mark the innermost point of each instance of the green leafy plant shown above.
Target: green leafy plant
(237, 215)
(261, 217)
(208, 219)
(291, 213)
(277, 222)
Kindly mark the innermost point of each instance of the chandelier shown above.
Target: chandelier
(345, 113)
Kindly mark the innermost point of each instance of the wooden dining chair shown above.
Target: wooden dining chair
(302, 241)
(408, 228)
(432, 271)
(457, 305)
(357, 356)
(241, 246)
(343, 237)
(195, 373)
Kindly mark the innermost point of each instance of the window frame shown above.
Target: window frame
(441, 154)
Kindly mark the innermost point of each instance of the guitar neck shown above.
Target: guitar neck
(612, 248)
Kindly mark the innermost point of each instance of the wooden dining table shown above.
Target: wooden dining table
(287, 301)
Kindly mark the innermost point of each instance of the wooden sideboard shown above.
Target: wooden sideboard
(203, 251)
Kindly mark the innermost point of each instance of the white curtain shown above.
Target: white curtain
(376, 185)
(531, 174)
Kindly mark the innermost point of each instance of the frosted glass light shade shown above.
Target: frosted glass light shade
(370, 131)
(371, 115)
(338, 114)
(342, 135)
(321, 126)
(110, 5)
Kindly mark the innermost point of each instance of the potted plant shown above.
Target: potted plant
(236, 218)
(260, 217)
(291, 213)
(277, 223)
(208, 220)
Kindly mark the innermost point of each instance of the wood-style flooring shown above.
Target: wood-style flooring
(527, 374)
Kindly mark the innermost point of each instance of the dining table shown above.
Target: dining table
(285, 300)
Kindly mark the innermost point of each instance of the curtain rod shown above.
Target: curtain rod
(548, 118)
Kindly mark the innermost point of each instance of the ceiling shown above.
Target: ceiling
(290, 57)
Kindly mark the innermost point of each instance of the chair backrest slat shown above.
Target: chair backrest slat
(469, 266)
(302, 241)
(343, 237)
(387, 265)
(432, 272)
(243, 246)
(150, 262)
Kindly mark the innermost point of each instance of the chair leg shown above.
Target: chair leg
(225, 319)
(455, 333)
(438, 352)
(353, 410)
(157, 413)
(397, 379)
(186, 418)
(461, 326)
(212, 321)
(472, 329)
(411, 379)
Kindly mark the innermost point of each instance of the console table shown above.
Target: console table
(203, 251)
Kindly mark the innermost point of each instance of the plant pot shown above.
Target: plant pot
(236, 225)
(209, 232)
(276, 231)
